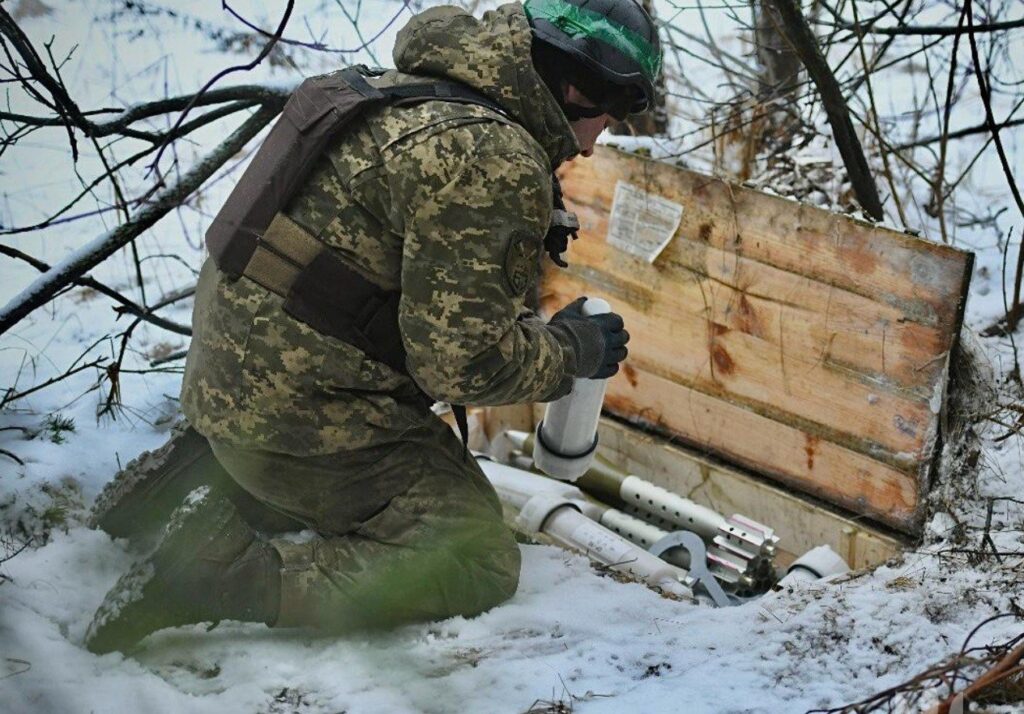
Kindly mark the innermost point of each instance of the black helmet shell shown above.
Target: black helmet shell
(616, 39)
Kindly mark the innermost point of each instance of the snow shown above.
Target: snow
(570, 635)
(567, 634)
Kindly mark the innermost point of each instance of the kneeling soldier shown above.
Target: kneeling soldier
(396, 274)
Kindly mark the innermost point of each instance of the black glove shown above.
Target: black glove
(598, 341)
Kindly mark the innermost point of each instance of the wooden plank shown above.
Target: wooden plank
(799, 459)
(802, 344)
(922, 279)
(771, 380)
(731, 292)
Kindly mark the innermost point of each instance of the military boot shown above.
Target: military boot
(209, 566)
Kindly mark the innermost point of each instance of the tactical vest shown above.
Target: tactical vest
(251, 237)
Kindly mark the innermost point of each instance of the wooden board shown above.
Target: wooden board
(799, 343)
(799, 523)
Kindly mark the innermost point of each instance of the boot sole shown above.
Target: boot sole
(141, 497)
(140, 603)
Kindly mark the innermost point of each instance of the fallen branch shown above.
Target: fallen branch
(115, 369)
(11, 395)
(244, 93)
(13, 457)
(1008, 666)
(1002, 660)
(15, 551)
(127, 306)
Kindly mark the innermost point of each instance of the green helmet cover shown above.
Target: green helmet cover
(580, 22)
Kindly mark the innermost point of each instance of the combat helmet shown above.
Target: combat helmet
(614, 42)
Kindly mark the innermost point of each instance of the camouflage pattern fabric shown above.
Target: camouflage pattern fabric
(448, 202)
(407, 532)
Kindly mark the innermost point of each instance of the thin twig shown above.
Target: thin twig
(10, 397)
(958, 134)
(319, 46)
(126, 304)
(223, 73)
(85, 259)
(13, 457)
(939, 30)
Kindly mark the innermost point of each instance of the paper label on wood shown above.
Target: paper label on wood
(642, 223)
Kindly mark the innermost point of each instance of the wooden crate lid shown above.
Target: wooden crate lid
(803, 344)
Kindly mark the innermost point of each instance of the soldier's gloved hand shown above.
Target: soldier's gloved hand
(599, 341)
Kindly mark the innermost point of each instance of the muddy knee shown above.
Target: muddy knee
(347, 583)
(494, 566)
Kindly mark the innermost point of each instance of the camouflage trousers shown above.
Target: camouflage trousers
(405, 532)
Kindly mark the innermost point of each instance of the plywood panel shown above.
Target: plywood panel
(797, 458)
(774, 380)
(806, 345)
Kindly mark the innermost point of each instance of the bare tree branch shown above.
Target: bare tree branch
(61, 102)
(990, 120)
(959, 134)
(1012, 314)
(319, 46)
(873, 114)
(805, 44)
(940, 30)
(224, 72)
(127, 306)
(240, 97)
(87, 257)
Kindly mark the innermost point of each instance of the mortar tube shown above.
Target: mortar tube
(604, 481)
(737, 536)
(515, 490)
(572, 529)
(661, 503)
(729, 570)
(601, 480)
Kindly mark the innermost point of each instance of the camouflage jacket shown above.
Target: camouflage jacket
(447, 202)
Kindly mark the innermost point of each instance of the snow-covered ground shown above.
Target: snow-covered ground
(571, 639)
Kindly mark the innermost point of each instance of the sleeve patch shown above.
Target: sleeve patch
(521, 262)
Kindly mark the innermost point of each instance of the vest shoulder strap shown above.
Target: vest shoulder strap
(318, 109)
